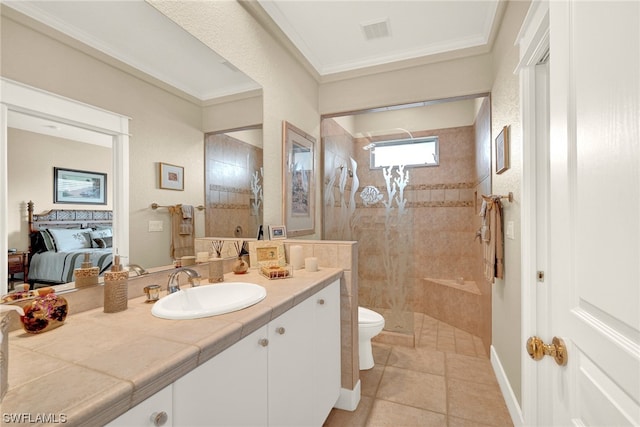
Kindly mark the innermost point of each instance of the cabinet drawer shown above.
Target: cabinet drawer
(15, 265)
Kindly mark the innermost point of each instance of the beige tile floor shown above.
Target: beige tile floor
(446, 380)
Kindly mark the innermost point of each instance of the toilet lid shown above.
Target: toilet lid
(368, 316)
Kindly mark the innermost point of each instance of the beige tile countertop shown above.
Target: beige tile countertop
(97, 365)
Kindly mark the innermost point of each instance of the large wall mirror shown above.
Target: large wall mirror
(27, 109)
(188, 92)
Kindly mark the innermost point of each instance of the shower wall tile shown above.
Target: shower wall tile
(437, 195)
(345, 256)
(327, 255)
(452, 195)
(443, 213)
(230, 167)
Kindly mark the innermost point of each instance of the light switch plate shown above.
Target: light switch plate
(510, 230)
(156, 226)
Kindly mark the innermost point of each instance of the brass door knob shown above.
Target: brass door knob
(537, 349)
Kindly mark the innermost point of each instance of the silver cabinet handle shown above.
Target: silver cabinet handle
(263, 342)
(280, 330)
(321, 301)
(159, 418)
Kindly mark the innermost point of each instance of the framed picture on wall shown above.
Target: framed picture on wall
(277, 232)
(298, 180)
(79, 187)
(171, 177)
(502, 150)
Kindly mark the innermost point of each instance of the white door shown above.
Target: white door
(594, 264)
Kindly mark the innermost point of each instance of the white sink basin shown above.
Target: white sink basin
(208, 300)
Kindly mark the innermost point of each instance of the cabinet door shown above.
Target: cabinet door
(148, 413)
(326, 350)
(291, 367)
(228, 390)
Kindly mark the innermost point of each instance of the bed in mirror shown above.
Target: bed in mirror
(60, 240)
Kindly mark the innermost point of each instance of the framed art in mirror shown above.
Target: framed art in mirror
(298, 177)
(79, 187)
(502, 150)
(277, 232)
(171, 177)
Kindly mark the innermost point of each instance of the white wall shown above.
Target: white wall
(435, 116)
(441, 80)
(289, 91)
(232, 112)
(505, 111)
(30, 176)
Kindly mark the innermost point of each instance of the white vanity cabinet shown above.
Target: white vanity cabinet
(291, 366)
(326, 351)
(286, 373)
(227, 390)
(155, 411)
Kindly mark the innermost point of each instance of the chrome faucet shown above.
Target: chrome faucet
(139, 270)
(174, 283)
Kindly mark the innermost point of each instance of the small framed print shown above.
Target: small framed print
(277, 232)
(171, 177)
(266, 253)
(502, 150)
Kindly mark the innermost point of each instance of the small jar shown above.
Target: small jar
(240, 266)
(216, 270)
(44, 313)
(152, 292)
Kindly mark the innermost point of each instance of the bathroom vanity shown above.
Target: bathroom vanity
(274, 363)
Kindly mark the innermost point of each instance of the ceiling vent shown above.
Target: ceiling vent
(376, 29)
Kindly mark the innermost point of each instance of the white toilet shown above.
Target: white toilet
(370, 324)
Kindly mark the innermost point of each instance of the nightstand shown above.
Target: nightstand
(18, 262)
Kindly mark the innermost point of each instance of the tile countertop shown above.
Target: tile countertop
(98, 365)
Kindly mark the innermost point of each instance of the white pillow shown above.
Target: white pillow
(69, 239)
(99, 234)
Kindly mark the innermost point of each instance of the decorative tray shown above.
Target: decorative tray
(273, 272)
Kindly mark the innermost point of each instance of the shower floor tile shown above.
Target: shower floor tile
(446, 380)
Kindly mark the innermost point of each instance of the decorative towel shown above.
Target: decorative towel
(182, 244)
(492, 238)
(187, 211)
(186, 226)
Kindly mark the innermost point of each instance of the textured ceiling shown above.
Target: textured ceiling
(331, 34)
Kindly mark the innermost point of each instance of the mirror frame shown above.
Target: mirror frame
(40, 103)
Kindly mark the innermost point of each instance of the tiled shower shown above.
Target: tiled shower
(415, 227)
(233, 186)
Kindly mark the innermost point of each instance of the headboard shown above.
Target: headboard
(65, 218)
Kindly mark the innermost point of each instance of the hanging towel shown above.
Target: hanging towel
(182, 239)
(187, 211)
(492, 238)
(186, 225)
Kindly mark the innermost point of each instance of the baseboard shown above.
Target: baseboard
(348, 399)
(507, 392)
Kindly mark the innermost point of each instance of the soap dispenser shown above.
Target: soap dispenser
(115, 288)
(87, 274)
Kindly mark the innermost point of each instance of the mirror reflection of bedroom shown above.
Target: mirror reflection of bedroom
(59, 240)
(167, 122)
